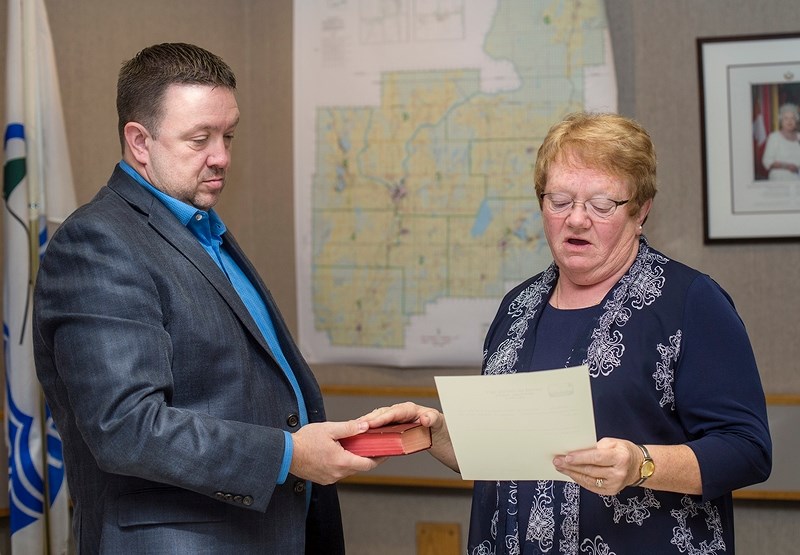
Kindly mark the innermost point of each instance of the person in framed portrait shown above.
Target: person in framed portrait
(782, 153)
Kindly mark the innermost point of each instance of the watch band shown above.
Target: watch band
(647, 467)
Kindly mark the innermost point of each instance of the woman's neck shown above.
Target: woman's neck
(572, 292)
(569, 296)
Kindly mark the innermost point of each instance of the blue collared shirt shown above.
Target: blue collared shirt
(209, 229)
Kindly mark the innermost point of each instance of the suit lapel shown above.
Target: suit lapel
(305, 377)
(288, 346)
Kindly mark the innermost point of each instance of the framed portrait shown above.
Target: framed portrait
(750, 129)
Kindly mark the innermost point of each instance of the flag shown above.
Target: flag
(762, 125)
(759, 130)
(37, 189)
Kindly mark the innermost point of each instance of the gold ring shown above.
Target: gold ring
(599, 482)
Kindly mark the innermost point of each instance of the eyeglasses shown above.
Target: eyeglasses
(601, 207)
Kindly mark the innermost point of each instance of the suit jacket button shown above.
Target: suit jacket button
(228, 497)
(299, 486)
(237, 498)
(292, 420)
(247, 500)
(219, 495)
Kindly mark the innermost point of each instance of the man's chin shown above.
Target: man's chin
(205, 202)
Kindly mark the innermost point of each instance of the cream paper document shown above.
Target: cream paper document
(510, 426)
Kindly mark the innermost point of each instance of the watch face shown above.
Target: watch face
(647, 469)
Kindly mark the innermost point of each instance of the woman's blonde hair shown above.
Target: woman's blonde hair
(611, 143)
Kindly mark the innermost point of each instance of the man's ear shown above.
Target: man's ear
(137, 137)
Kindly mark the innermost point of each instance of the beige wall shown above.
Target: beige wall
(762, 278)
(655, 50)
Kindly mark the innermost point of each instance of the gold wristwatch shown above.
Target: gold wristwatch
(647, 468)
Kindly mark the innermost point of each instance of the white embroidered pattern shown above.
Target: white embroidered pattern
(596, 546)
(522, 308)
(512, 498)
(512, 542)
(665, 372)
(634, 510)
(570, 510)
(496, 514)
(541, 524)
(512, 539)
(485, 548)
(639, 287)
(647, 283)
(606, 349)
(682, 534)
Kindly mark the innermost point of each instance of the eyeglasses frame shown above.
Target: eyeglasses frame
(617, 204)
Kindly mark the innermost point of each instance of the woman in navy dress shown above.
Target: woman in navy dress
(678, 401)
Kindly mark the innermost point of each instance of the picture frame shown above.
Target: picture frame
(744, 83)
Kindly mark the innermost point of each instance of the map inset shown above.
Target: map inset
(421, 211)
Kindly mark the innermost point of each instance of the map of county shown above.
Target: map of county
(417, 129)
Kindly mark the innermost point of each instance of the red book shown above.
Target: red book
(393, 439)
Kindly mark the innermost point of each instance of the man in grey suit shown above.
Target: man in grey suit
(189, 419)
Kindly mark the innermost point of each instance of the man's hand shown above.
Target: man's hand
(318, 457)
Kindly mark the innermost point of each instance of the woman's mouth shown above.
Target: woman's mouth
(577, 242)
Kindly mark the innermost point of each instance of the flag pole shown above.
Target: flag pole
(33, 127)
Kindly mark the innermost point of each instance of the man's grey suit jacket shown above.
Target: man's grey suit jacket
(169, 403)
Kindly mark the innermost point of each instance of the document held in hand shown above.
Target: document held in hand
(393, 439)
(510, 426)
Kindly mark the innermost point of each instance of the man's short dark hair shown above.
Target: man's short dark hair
(144, 80)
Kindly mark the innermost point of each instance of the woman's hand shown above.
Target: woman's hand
(788, 166)
(614, 464)
(441, 449)
(610, 466)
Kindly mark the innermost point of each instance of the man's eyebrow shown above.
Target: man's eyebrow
(209, 127)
